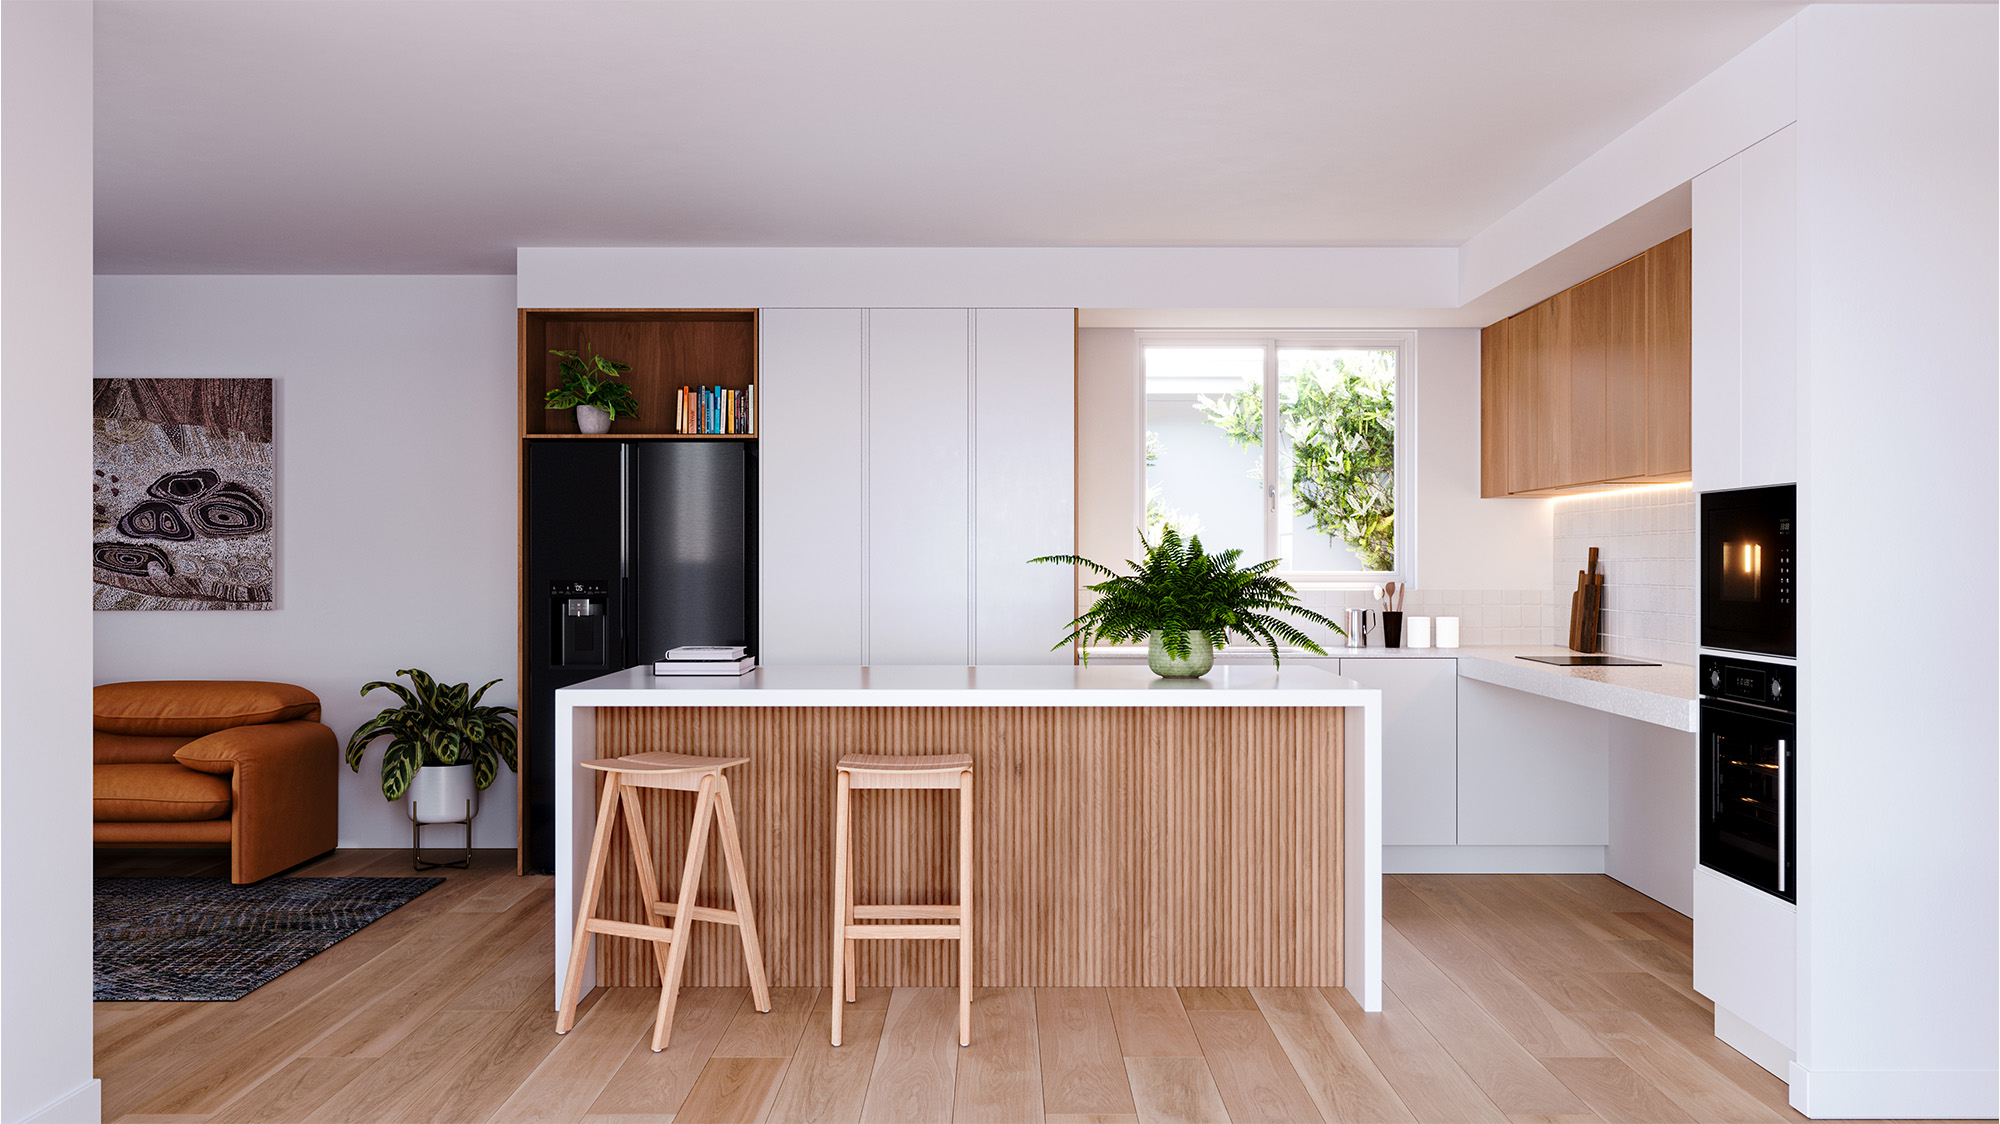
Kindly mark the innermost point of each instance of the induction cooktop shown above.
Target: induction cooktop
(1589, 661)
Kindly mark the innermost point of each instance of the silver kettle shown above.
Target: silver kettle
(1359, 621)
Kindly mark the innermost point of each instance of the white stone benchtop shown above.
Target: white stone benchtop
(1103, 684)
(1663, 695)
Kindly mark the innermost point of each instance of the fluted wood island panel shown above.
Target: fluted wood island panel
(1131, 832)
(1114, 847)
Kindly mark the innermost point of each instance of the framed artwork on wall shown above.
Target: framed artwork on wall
(182, 499)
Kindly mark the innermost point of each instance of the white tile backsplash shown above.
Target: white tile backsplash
(1645, 541)
(1485, 616)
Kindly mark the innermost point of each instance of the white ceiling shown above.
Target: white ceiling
(431, 137)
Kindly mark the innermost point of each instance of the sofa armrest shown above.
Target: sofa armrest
(285, 778)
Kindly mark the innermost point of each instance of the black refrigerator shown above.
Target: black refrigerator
(632, 548)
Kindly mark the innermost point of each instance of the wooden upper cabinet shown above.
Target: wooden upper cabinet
(1620, 351)
(1498, 405)
(1550, 421)
(1591, 386)
(1669, 348)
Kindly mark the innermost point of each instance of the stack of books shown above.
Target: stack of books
(716, 410)
(705, 659)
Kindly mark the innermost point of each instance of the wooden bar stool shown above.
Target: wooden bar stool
(623, 777)
(858, 770)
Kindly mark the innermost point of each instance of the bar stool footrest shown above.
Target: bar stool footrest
(910, 912)
(701, 913)
(629, 929)
(904, 932)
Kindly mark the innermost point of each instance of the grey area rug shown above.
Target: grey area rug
(194, 939)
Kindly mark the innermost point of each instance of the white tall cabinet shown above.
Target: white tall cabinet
(1746, 433)
(810, 504)
(911, 461)
(1745, 353)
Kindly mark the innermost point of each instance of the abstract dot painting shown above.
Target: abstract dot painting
(182, 499)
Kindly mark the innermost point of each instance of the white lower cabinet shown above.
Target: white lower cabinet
(1419, 747)
(1746, 960)
(1531, 771)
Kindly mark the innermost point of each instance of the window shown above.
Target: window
(1315, 483)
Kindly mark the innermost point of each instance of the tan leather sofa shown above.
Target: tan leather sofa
(182, 763)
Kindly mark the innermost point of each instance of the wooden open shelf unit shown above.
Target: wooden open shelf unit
(667, 348)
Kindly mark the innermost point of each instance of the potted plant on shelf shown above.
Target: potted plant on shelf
(590, 386)
(1184, 603)
(443, 746)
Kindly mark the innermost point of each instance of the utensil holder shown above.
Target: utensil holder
(1392, 628)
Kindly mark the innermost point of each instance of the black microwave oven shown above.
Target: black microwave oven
(1749, 570)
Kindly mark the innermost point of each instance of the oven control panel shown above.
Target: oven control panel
(1749, 681)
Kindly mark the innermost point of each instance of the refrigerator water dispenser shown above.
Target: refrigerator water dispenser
(582, 630)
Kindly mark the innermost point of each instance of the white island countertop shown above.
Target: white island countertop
(1104, 684)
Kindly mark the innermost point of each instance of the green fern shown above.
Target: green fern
(436, 725)
(1180, 590)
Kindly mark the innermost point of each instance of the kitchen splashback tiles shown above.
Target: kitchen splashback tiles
(1485, 616)
(1646, 547)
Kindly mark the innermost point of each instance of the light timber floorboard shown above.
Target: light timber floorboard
(733, 1090)
(1256, 1079)
(649, 1083)
(1175, 1091)
(1513, 998)
(1343, 1083)
(916, 1061)
(1152, 1023)
(1083, 1074)
(1000, 1074)
(828, 1083)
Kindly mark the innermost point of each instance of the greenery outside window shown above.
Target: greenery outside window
(1318, 482)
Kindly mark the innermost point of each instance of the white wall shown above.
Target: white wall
(397, 486)
(45, 1014)
(1897, 875)
(1463, 541)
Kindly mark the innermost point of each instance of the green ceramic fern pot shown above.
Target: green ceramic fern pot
(1199, 660)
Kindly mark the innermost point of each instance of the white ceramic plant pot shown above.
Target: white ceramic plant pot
(592, 419)
(1201, 657)
(439, 793)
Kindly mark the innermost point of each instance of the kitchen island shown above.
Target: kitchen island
(1131, 831)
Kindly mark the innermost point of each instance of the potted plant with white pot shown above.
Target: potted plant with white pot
(591, 387)
(1184, 603)
(444, 748)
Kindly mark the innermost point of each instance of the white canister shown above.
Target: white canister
(1447, 629)
(1416, 632)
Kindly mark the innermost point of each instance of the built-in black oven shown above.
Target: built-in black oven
(1747, 572)
(1749, 745)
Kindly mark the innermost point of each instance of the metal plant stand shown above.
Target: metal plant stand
(417, 860)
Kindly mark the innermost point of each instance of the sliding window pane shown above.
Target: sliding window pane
(1204, 449)
(1337, 459)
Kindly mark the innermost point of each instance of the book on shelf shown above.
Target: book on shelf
(708, 652)
(705, 667)
(715, 410)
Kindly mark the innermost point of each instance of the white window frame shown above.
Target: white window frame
(1403, 343)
